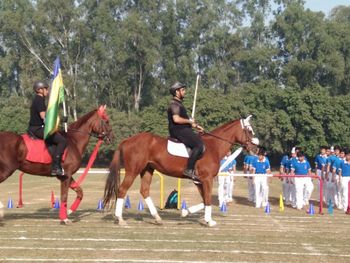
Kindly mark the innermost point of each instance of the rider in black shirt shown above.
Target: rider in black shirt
(180, 127)
(36, 126)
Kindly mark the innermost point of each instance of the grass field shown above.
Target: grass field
(243, 233)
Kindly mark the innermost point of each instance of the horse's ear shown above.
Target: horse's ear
(248, 118)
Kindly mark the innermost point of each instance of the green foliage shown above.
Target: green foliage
(293, 75)
(14, 114)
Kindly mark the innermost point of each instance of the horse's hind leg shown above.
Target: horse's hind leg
(79, 191)
(122, 190)
(146, 179)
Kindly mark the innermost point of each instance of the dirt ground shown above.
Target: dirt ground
(243, 233)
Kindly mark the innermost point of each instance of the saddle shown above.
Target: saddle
(38, 151)
(177, 148)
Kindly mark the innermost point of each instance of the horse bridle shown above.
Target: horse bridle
(100, 136)
(246, 130)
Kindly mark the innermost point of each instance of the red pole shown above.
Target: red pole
(321, 195)
(20, 201)
(348, 209)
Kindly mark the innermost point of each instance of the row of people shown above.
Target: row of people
(333, 166)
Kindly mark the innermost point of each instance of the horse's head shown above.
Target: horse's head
(101, 126)
(247, 138)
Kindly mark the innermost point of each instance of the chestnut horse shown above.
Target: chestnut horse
(145, 152)
(13, 153)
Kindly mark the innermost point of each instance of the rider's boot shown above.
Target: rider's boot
(191, 173)
(57, 169)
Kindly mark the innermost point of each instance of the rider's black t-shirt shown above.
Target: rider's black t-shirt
(176, 108)
(38, 105)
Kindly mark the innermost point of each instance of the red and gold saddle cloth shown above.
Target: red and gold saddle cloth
(38, 151)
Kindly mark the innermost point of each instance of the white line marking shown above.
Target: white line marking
(113, 260)
(167, 241)
(180, 250)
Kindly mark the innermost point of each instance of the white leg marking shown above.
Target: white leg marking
(207, 216)
(196, 208)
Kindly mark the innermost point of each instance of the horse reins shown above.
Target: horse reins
(223, 139)
(93, 134)
(220, 138)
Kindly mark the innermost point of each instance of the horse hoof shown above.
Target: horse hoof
(69, 212)
(158, 219)
(120, 222)
(66, 222)
(184, 212)
(211, 223)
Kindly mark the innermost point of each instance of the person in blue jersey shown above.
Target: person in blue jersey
(286, 185)
(300, 169)
(321, 165)
(261, 166)
(246, 169)
(329, 187)
(344, 173)
(224, 181)
(231, 182)
(338, 202)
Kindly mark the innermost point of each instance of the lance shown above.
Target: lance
(195, 96)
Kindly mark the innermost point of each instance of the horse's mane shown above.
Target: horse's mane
(224, 125)
(82, 120)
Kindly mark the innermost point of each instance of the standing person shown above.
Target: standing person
(36, 127)
(180, 127)
(261, 166)
(231, 182)
(302, 168)
(224, 181)
(285, 169)
(344, 173)
(321, 165)
(336, 180)
(328, 187)
(247, 162)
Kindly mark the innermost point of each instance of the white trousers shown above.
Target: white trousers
(223, 188)
(303, 191)
(230, 186)
(261, 191)
(287, 190)
(344, 180)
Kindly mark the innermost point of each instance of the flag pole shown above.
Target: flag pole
(65, 115)
(195, 96)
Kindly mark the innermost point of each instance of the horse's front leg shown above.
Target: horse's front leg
(79, 191)
(205, 190)
(146, 179)
(64, 196)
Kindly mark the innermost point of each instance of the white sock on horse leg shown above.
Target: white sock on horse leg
(207, 213)
(196, 208)
(151, 206)
(119, 207)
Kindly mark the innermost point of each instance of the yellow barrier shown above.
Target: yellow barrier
(178, 193)
(161, 189)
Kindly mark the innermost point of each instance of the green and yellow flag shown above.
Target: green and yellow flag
(56, 97)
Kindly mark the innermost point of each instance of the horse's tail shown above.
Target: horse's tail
(113, 179)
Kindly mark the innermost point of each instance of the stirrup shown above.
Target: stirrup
(191, 174)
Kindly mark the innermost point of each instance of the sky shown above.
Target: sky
(325, 5)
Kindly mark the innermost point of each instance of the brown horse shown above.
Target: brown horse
(145, 152)
(13, 153)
